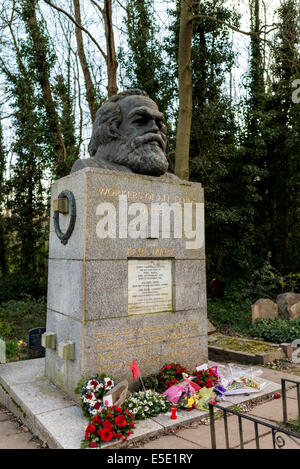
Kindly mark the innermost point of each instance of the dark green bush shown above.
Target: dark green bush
(229, 316)
(15, 285)
(276, 330)
(21, 315)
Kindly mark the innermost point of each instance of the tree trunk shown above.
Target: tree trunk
(43, 73)
(111, 60)
(185, 90)
(89, 86)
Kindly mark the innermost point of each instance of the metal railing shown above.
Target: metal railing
(277, 432)
(284, 400)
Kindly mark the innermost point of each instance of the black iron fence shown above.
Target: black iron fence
(278, 434)
(284, 399)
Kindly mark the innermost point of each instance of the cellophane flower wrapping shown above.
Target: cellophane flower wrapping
(240, 380)
(175, 392)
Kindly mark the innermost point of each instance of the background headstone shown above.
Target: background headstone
(2, 351)
(264, 309)
(210, 328)
(289, 305)
(35, 348)
(216, 288)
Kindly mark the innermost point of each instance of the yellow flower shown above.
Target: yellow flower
(191, 401)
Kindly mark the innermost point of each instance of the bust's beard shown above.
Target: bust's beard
(143, 155)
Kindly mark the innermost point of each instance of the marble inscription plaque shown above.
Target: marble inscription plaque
(149, 286)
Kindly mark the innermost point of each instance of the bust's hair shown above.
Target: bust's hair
(107, 120)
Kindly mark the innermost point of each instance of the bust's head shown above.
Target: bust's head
(129, 131)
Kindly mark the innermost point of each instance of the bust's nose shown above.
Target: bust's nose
(152, 126)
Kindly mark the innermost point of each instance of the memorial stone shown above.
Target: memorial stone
(35, 348)
(128, 279)
(2, 351)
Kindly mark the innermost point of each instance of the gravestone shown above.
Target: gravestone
(126, 275)
(289, 305)
(264, 309)
(35, 348)
(2, 351)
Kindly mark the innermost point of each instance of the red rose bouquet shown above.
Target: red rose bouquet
(206, 378)
(113, 423)
(170, 374)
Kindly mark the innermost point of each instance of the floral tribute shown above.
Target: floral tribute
(112, 423)
(170, 374)
(144, 404)
(207, 378)
(92, 393)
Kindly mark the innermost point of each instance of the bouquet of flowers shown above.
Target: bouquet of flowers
(170, 374)
(144, 404)
(199, 400)
(92, 393)
(206, 378)
(110, 424)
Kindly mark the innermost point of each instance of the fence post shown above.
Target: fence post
(212, 427)
(284, 406)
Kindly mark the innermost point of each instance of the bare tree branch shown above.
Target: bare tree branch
(78, 26)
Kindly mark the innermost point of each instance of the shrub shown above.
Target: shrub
(20, 316)
(276, 330)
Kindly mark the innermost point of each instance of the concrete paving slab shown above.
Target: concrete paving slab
(61, 428)
(3, 416)
(171, 442)
(182, 417)
(24, 371)
(273, 410)
(41, 396)
(142, 429)
(8, 428)
(18, 441)
(266, 442)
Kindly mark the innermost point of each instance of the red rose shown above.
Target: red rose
(93, 444)
(210, 383)
(91, 428)
(97, 419)
(119, 436)
(131, 424)
(94, 383)
(109, 383)
(107, 424)
(88, 396)
(96, 406)
(120, 421)
(106, 434)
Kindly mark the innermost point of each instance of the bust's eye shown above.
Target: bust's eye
(140, 120)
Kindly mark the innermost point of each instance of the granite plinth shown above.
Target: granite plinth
(88, 281)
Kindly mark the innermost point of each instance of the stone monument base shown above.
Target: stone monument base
(130, 280)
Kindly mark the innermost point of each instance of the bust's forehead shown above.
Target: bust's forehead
(130, 102)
